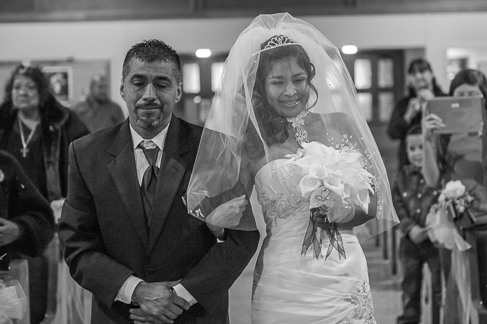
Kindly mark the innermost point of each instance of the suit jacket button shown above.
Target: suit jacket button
(151, 271)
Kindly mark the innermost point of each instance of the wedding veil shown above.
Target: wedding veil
(237, 137)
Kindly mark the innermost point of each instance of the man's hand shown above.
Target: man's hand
(9, 231)
(139, 317)
(158, 302)
(418, 234)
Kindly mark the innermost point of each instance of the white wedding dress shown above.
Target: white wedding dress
(293, 288)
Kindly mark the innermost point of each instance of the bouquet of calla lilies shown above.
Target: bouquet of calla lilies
(334, 180)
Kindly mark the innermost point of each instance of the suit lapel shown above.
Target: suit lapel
(171, 173)
(124, 175)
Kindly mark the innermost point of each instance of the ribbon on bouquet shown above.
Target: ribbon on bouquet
(442, 231)
(330, 229)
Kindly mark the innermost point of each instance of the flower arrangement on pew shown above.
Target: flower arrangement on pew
(453, 202)
(13, 302)
(334, 180)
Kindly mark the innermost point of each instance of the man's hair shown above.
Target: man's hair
(152, 50)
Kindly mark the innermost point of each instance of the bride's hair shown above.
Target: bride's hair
(272, 126)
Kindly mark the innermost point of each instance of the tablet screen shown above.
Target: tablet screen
(459, 114)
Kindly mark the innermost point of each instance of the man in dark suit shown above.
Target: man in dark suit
(139, 252)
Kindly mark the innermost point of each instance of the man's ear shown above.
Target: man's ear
(179, 92)
(122, 93)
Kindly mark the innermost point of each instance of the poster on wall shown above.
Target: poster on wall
(61, 80)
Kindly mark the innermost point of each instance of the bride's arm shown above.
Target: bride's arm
(231, 209)
(361, 217)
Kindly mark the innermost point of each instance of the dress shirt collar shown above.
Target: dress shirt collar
(159, 139)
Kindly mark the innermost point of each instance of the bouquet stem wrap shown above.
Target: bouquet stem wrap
(330, 229)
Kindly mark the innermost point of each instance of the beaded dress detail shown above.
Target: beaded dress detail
(294, 288)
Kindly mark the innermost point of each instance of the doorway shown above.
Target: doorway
(379, 78)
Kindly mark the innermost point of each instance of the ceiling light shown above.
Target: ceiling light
(349, 49)
(203, 52)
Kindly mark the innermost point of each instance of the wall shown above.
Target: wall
(476, 56)
(110, 40)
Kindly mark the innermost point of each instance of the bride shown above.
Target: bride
(286, 123)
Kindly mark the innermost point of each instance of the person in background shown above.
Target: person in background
(36, 129)
(468, 83)
(26, 218)
(126, 233)
(413, 199)
(26, 222)
(457, 156)
(97, 111)
(407, 112)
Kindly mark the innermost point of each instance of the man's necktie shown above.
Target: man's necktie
(149, 181)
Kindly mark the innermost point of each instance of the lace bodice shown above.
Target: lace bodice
(285, 279)
(278, 192)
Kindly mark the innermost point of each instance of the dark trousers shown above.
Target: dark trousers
(38, 276)
(452, 309)
(413, 257)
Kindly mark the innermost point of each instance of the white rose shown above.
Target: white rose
(454, 189)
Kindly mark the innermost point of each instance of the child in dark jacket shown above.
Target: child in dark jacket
(412, 200)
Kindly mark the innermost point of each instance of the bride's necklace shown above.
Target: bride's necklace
(24, 150)
(297, 122)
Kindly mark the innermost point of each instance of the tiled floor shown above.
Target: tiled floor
(385, 287)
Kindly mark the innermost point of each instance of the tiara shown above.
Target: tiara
(278, 40)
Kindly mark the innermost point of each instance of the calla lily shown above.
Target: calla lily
(308, 186)
(334, 185)
(339, 171)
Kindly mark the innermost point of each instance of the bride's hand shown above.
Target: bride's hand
(228, 214)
